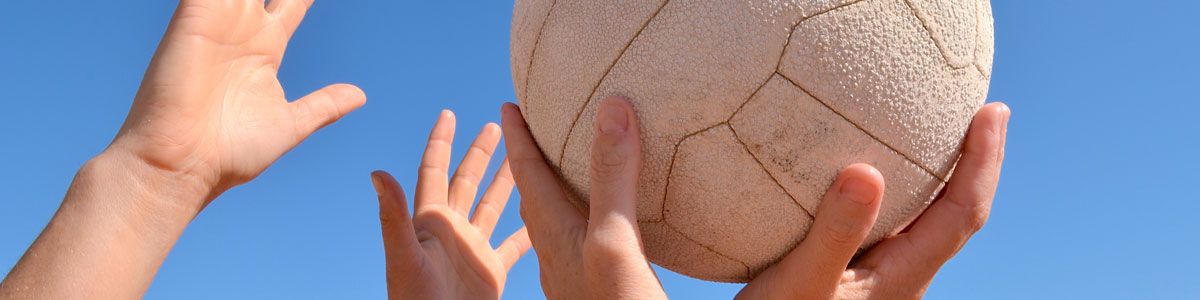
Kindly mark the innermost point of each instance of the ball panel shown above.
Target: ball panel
(952, 25)
(804, 145)
(668, 248)
(865, 71)
(580, 40)
(660, 75)
(718, 197)
(985, 47)
(528, 18)
(875, 64)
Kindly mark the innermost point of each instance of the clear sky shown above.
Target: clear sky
(1098, 197)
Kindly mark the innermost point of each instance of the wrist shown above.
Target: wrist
(147, 193)
(114, 228)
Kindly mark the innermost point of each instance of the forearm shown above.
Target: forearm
(113, 230)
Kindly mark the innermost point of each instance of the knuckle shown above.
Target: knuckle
(608, 165)
(504, 181)
(486, 208)
(519, 165)
(984, 150)
(480, 149)
(841, 235)
(977, 220)
(385, 220)
(467, 179)
(974, 214)
(431, 170)
(609, 250)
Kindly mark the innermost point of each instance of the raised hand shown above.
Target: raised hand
(598, 257)
(210, 115)
(211, 108)
(439, 253)
(903, 266)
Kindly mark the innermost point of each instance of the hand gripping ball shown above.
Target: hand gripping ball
(749, 108)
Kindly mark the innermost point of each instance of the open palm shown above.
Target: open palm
(217, 109)
(439, 253)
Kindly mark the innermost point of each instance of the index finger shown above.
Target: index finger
(544, 206)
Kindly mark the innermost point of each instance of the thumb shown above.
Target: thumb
(844, 219)
(325, 106)
(613, 257)
(401, 246)
(616, 156)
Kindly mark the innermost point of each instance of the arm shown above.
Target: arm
(210, 115)
(110, 235)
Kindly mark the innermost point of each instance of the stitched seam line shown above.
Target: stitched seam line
(671, 167)
(566, 140)
(706, 247)
(769, 174)
(662, 212)
(943, 49)
(860, 128)
(537, 40)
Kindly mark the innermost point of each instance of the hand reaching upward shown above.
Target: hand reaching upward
(210, 114)
(441, 251)
(211, 108)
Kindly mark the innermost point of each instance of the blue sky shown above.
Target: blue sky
(1098, 196)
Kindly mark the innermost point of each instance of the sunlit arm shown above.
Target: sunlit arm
(114, 228)
(211, 114)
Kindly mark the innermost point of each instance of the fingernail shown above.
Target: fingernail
(612, 118)
(375, 180)
(1007, 113)
(447, 113)
(858, 190)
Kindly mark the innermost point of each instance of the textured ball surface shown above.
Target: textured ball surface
(749, 108)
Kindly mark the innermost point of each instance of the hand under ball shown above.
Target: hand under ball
(602, 257)
(796, 90)
(902, 266)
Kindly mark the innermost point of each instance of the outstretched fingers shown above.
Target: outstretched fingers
(465, 184)
(844, 219)
(488, 212)
(432, 177)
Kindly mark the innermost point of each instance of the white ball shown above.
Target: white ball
(749, 109)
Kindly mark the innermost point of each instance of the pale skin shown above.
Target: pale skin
(210, 115)
(441, 250)
(600, 256)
